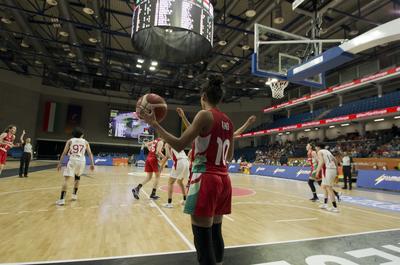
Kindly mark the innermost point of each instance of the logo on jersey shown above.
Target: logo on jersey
(387, 178)
(100, 160)
(303, 172)
(279, 170)
(225, 125)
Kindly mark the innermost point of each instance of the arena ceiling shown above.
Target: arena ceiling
(85, 45)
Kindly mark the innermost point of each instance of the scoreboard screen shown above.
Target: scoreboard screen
(192, 15)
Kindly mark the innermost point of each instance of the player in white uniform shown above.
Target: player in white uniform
(179, 171)
(75, 148)
(328, 168)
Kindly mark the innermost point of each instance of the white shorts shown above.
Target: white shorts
(328, 179)
(181, 169)
(75, 167)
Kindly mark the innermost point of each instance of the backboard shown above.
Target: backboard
(144, 138)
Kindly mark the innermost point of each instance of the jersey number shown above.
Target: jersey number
(77, 148)
(222, 152)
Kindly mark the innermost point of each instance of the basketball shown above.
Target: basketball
(152, 101)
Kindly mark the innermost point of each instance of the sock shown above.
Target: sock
(139, 187)
(153, 192)
(204, 245)
(218, 242)
(184, 197)
(75, 190)
(325, 200)
(62, 194)
(334, 204)
(169, 200)
(336, 193)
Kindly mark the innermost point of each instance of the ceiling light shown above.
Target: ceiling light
(353, 31)
(93, 40)
(140, 61)
(246, 47)
(280, 133)
(88, 10)
(277, 15)
(95, 59)
(108, 84)
(152, 68)
(250, 13)
(332, 126)
(316, 129)
(154, 63)
(167, 93)
(307, 130)
(238, 81)
(7, 20)
(397, 117)
(222, 43)
(71, 55)
(138, 66)
(24, 44)
(256, 88)
(3, 49)
(63, 33)
(224, 65)
(381, 119)
(52, 2)
(99, 73)
(287, 132)
(345, 124)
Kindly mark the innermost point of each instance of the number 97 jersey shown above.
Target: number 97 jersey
(211, 150)
(77, 149)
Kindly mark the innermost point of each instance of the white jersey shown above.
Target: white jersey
(77, 149)
(329, 159)
(178, 155)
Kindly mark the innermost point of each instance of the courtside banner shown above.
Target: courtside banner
(287, 172)
(234, 168)
(379, 179)
(98, 160)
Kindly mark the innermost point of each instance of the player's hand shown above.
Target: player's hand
(180, 111)
(92, 167)
(59, 167)
(251, 119)
(23, 131)
(150, 118)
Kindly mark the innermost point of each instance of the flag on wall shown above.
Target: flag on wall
(74, 115)
(49, 116)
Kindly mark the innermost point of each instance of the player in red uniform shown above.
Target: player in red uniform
(151, 166)
(6, 143)
(210, 191)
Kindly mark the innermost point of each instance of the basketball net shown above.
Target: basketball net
(277, 87)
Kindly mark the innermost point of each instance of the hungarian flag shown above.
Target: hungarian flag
(49, 116)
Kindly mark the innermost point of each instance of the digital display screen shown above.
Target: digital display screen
(193, 15)
(125, 124)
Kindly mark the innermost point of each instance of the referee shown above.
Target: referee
(347, 163)
(26, 156)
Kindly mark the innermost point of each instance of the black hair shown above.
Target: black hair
(312, 144)
(77, 132)
(320, 145)
(213, 91)
(9, 127)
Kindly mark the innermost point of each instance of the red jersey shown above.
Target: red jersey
(9, 139)
(211, 150)
(153, 149)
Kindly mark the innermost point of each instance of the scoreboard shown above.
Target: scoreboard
(193, 15)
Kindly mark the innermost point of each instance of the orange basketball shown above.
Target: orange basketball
(152, 101)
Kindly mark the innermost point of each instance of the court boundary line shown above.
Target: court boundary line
(193, 251)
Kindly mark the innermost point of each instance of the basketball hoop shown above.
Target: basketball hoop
(277, 87)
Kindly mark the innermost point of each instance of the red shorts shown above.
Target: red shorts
(151, 165)
(3, 157)
(209, 195)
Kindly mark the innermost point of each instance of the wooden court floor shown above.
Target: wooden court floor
(106, 221)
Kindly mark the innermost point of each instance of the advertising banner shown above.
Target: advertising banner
(379, 179)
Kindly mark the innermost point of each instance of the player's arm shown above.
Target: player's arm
(148, 145)
(230, 150)
(22, 137)
(245, 125)
(89, 151)
(182, 114)
(64, 153)
(167, 151)
(202, 119)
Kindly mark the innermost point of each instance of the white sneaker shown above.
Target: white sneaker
(333, 210)
(168, 205)
(74, 197)
(60, 202)
(323, 206)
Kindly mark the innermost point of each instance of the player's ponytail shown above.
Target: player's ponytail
(214, 91)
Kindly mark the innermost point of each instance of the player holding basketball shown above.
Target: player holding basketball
(151, 166)
(6, 143)
(75, 148)
(328, 169)
(210, 191)
(179, 171)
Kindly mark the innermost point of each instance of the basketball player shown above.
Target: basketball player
(328, 169)
(6, 143)
(75, 148)
(210, 191)
(152, 166)
(179, 171)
